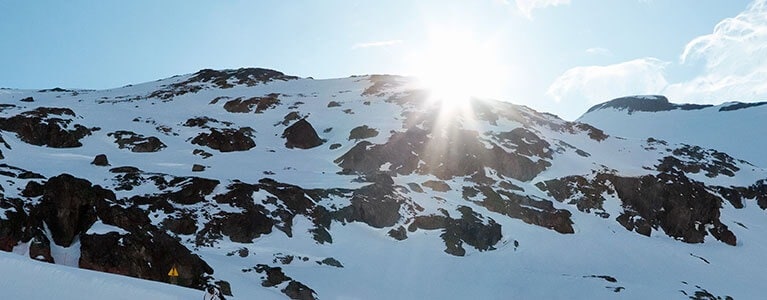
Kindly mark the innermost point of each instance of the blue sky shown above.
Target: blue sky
(559, 56)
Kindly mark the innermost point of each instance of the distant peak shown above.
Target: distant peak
(645, 103)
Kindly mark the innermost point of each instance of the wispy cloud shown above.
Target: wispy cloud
(734, 56)
(599, 51)
(594, 84)
(377, 44)
(526, 7)
(733, 59)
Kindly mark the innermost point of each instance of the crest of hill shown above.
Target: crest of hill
(656, 103)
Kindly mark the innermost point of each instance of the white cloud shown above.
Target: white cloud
(526, 7)
(735, 60)
(377, 44)
(599, 51)
(595, 84)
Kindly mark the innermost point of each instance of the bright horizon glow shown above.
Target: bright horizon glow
(456, 66)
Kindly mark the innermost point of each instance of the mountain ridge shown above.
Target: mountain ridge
(260, 180)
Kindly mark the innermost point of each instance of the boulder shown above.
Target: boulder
(100, 160)
(301, 135)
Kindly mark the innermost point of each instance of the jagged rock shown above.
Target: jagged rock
(301, 135)
(531, 211)
(38, 127)
(294, 289)
(146, 255)
(469, 229)
(28, 99)
(40, 248)
(377, 205)
(460, 154)
(137, 142)
(362, 132)
(226, 139)
(198, 168)
(100, 160)
(67, 205)
(13, 224)
(257, 104)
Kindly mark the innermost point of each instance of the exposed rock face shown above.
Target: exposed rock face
(46, 126)
(294, 289)
(146, 255)
(137, 142)
(40, 248)
(683, 208)
(469, 229)
(257, 104)
(226, 139)
(377, 205)
(198, 168)
(538, 212)
(13, 224)
(459, 154)
(100, 160)
(221, 79)
(362, 132)
(67, 205)
(301, 135)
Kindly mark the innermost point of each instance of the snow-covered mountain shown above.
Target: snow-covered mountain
(368, 188)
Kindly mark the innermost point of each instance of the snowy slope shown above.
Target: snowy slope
(484, 200)
(734, 128)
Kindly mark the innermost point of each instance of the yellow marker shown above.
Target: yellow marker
(173, 272)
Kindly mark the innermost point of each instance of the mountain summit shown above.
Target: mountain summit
(369, 187)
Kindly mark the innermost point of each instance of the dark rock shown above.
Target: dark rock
(294, 289)
(335, 146)
(67, 205)
(437, 186)
(27, 99)
(13, 224)
(362, 132)
(469, 229)
(146, 255)
(100, 160)
(198, 168)
(737, 106)
(257, 104)
(332, 262)
(334, 104)
(137, 142)
(398, 233)
(227, 139)
(40, 248)
(377, 205)
(38, 127)
(301, 135)
(531, 211)
(652, 103)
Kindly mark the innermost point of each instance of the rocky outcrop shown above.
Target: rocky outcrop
(136, 142)
(100, 160)
(377, 204)
(530, 210)
(226, 139)
(47, 126)
(362, 132)
(147, 255)
(459, 154)
(294, 289)
(254, 104)
(301, 135)
(470, 228)
(221, 79)
(683, 208)
(67, 205)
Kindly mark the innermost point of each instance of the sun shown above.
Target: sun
(456, 66)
